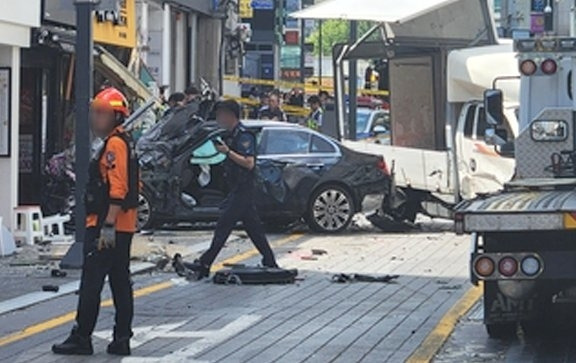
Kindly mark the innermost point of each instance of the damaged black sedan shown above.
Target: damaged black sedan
(301, 174)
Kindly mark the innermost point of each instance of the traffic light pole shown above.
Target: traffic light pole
(302, 51)
(352, 85)
(83, 86)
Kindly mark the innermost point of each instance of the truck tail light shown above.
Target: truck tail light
(549, 66)
(530, 266)
(528, 67)
(508, 266)
(484, 266)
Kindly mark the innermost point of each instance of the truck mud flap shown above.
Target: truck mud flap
(498, 308)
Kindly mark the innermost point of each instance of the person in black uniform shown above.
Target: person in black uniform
(240, 149)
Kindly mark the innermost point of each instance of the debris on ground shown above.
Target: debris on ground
(319, 252)
(344, 278)
(308, 258)
(251, 275)
(50, 288)
(450, 287)
(58, 273)
(389, 224)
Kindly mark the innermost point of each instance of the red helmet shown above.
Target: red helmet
(111, 99)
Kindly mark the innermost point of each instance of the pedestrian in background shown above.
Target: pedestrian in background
(239, 206)
(273, 111)
(314, 120)
(324, 98)
(192, 93)
(264, 104)
(111, 201)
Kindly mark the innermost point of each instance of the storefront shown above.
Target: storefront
(46, 107)
(15, 30)
(171, 42)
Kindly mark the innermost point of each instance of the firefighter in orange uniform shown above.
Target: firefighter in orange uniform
(111, 200)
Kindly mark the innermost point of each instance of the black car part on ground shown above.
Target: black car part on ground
(344, 278)
(251, 275)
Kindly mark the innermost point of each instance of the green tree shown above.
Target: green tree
(334, 32)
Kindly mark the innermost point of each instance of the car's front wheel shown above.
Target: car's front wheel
(145, 214)
(330, 210)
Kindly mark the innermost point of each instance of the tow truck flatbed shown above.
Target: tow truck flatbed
(539, 210)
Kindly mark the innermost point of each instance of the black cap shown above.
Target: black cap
(229, 106)
(314, 99)
(177, 97)
(192, 90)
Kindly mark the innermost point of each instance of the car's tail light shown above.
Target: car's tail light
(549, 66)
(528, 67)
(383, 166)
(508, 266)
(484, 266)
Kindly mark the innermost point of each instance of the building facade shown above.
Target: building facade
(158, 43)
(15, 30)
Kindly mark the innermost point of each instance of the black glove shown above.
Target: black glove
(107, 237)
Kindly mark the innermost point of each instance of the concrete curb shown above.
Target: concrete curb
(34, 298)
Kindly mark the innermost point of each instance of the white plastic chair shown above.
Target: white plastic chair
(53, 228)
(27, 224)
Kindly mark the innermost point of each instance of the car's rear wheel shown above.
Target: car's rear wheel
(330, 210)
(145, 213)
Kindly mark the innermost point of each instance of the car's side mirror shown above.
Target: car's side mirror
(379, 129)
(493, 106)
(496, 137)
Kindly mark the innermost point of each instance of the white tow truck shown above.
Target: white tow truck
(524, 237)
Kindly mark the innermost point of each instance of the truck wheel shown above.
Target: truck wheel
(501, 330)
(402, 208)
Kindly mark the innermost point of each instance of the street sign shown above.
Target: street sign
(245, 9)
(116, 25)
(262, 4)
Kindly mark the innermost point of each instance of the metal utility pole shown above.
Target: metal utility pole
(352, 85)
(549, 17)
(302, 50)
(320, 54)
(83, 84)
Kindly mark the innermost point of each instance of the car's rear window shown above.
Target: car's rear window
(286, 142)
(320, 145)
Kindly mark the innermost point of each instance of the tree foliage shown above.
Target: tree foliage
(334, 32)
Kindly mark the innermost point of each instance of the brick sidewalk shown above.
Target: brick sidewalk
(314, 320)
(25, 272)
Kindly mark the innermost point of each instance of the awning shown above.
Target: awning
(381, 11)
(466, 20)
(107, 64)
(202, 6)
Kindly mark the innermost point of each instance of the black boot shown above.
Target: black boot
(75, 344)
(191, 271)
(198, 269)
(119, 346)
(271, 264)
